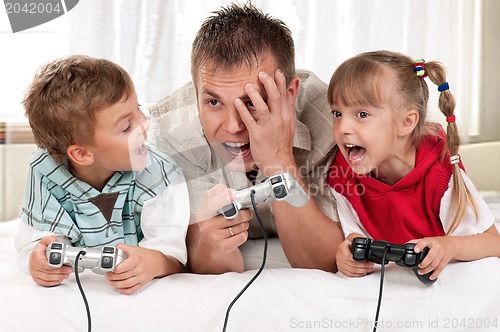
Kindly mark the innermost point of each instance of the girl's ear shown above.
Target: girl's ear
(80, 155)
(408, 122)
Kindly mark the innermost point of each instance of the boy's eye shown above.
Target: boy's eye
(336, 114)
(129, 126)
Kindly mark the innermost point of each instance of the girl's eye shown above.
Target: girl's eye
(336, 114)
(363, 114)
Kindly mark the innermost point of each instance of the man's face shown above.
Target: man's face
(221, 122)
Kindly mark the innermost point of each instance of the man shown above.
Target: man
(246, 116)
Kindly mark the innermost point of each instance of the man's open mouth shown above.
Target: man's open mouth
(237, 149)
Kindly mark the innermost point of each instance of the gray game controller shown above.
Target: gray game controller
(99, 260)
(281, 187)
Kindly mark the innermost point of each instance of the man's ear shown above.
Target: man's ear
(293, 87)
(80, 155)
(293, 90)
(408, 122)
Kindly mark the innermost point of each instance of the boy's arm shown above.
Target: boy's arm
(31, 245)
(141, 266)
(164, 221)
(26, 239)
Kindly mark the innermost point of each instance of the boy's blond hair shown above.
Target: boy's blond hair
(64, 97)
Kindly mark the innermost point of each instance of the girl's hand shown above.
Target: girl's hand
(442, 249)
(346, 264)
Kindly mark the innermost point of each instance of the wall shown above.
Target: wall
(490, 83)
(13, 172)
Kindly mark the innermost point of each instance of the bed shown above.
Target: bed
(466, 297)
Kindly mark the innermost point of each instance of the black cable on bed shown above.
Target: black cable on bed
(77, 276)
(264, 257)
(382, 269)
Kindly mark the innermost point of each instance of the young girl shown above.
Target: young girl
(398, 177)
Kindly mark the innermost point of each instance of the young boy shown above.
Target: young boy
(93, 182)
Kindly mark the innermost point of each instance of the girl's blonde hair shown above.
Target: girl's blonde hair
(359, 81)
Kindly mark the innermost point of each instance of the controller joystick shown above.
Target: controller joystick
(364, 249)
(281, 187)
(99, 260)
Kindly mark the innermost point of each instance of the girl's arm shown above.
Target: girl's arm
(463, 248)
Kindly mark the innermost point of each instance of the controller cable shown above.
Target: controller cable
(382, 269)
(77, 276)
(264, 257)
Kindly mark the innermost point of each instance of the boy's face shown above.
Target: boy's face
(120, 132)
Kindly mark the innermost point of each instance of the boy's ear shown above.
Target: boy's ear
(80, 155)
(408, 122)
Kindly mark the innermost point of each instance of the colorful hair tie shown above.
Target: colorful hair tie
(419, 68)
(443, 87)
(454, 159)
(451, 118)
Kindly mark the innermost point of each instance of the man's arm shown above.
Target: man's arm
(212, 240)
(309, 237)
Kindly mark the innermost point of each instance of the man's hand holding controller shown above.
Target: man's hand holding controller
(281, 187)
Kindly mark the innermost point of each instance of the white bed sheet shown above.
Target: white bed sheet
(466, 297)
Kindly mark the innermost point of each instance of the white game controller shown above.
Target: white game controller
(281, 187)
(99, 260)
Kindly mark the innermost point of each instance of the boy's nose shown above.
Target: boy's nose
(145, 126)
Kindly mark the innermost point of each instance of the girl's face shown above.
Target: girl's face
(376, 140)
(365, 135)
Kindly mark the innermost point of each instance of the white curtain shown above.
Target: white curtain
(151, 39)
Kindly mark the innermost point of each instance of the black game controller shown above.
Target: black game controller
(281, 187)
(100, 260)
(364, 249)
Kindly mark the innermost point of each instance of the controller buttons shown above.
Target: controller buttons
(229, 210)
(56, 245)
(108, 250)
(280, 191)
(276, 179)
(410, 259)
(107, 262)
(54, 258)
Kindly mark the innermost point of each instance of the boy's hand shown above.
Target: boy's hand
(39, 267)
(140, 267)
(346, 264)
(441, 251)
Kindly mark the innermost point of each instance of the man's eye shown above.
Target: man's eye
(213, 102)
(249, 104)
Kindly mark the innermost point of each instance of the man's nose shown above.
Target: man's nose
(233, 122)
